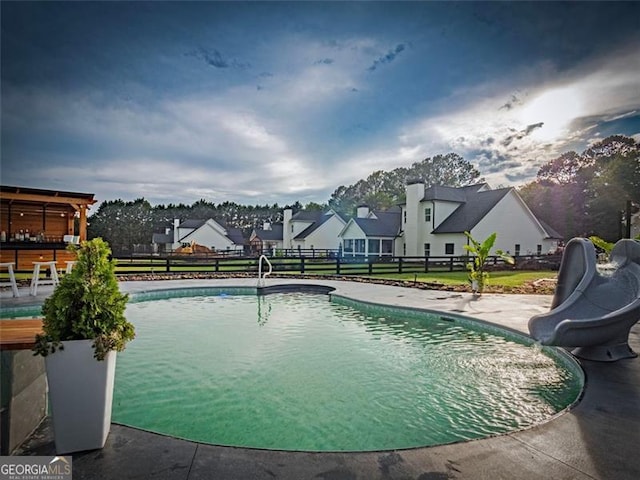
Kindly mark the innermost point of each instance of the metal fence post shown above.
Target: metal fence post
(302, 265)
(400, 265)
(338, 265)
(168, 265)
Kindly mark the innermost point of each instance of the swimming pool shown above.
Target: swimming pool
(303, 372)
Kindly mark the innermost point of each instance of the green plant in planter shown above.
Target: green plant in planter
(87, 305)
(481, 251)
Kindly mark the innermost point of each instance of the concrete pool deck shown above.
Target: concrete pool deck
(597, 439)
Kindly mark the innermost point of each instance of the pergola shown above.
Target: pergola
(47, 211)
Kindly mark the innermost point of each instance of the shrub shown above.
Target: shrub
(87, 305)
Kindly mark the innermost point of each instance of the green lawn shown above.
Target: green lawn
(507, 278)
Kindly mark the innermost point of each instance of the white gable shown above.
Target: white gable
(515, 225)
(352, 230)
(211, 234)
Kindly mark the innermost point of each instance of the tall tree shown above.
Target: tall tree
(584, 194)
(122, 224)
(383, 189)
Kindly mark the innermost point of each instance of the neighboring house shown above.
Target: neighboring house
(312, 230)
(267, 239)
(433, 220)
(372, 233)
(209, 233)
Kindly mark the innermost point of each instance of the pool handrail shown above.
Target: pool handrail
(261, 275)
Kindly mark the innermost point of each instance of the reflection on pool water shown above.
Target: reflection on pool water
(301, 372)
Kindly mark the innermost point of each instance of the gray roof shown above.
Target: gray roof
(195, 224)
(162, 238)
(476, 205)
(551, 233)
(274, 234)
(386, 225)
(308, 216)
(235, 235)
(451, 194)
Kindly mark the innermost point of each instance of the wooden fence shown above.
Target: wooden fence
(321, 265)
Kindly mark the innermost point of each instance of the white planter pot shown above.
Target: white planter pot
(81, 394)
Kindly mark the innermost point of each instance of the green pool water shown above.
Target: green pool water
(301, 372)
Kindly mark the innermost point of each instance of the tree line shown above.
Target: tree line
(125, 224)
(584, 194)
(577, 194)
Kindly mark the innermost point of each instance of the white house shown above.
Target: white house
(312, 230)
(433, 220)
(209, 233)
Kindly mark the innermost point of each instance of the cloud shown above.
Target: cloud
(388, 58)
(613, 118)
(215, 59)
(163, 151)
(519, 177)
(509, 139)
(324, 61)
(552, 113)
(511, 103)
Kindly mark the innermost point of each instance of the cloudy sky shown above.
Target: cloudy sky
(275, 102)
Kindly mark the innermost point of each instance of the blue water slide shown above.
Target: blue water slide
(593, 312)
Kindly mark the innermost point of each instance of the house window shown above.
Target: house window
(359, 246)
(387, 247)
(348, 246)
(517, 249)
(374, 246)
(427, 249)
(538, 249)
(427, 214)
(448, 248)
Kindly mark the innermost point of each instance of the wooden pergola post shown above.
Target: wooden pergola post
(83, 223)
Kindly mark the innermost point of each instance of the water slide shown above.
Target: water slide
(593, 312)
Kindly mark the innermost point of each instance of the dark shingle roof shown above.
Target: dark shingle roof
(386, 225)
(308, 216)
(195, 224)
(451, 194)
(476, 205)
(235, 235)
(551, 233)
(274, 234)
(162, 238)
